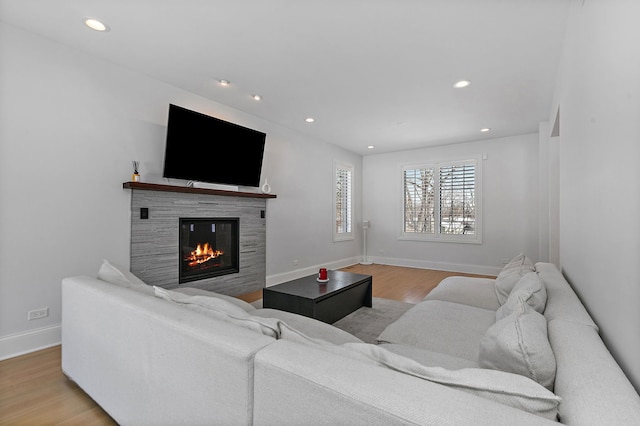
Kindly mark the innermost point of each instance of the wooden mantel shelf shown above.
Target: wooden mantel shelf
(185, 189)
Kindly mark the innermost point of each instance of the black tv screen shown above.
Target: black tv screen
(206, 149)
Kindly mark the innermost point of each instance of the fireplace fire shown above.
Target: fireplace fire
(202, 254)
(209, 247)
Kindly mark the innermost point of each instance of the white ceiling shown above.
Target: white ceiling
(371, 72)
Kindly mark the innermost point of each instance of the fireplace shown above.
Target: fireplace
(208, 247)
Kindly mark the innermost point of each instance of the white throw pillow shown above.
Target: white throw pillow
(119, 275)
(192, 291)
(511, 274)
(519, 344)
(529, 288)
(266, 321)
(505, 388)
(221, 310)
(311, 328)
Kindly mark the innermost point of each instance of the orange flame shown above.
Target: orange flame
(203, 254)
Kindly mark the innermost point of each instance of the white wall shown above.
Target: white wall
(549, 241)
(70, 125)
(510, 206)
(598, 93)
(300, 221)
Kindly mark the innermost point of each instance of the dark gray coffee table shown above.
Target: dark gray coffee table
(328, 302)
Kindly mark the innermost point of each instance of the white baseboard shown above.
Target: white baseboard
(439, 266)
(18, 344)
(410, 263)
(299, 273)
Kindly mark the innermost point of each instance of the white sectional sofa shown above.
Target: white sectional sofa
(153, 357)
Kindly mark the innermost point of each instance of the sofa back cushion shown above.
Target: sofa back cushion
(119, 275)
(511, 274)
(519, 344)
(270, 322)
(529, 288)
(222, 310)
(593, 387)
(562, 301)
(192, 291)
(506, 388)
(303, 327)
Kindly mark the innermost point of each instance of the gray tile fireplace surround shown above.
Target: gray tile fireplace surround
(154, 241)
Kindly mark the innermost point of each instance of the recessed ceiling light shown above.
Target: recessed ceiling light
(462, 83)
(256, 97)
(485, 129)
(309, 119)
(96, 25)
(224, 82)
(371, 147)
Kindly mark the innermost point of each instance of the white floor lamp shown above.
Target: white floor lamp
(365, 227)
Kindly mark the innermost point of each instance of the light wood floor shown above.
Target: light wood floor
(33, 390)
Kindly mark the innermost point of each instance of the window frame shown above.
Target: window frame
(347, 235)
(437, 236)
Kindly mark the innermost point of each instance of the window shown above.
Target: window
(343, 208)
(441, 202)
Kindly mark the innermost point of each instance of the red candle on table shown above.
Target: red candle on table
(322, 275)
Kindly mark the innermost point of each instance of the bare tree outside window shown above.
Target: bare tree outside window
(419, 201)
(343, 203)
(457, 199)
(440, 200)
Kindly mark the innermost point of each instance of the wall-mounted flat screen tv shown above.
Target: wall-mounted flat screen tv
(202, 148)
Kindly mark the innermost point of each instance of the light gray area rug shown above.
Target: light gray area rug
(368, 323)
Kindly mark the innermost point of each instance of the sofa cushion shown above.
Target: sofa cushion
(119, 275)
(511, 274)
(446, 327)
(519, 344)
(429, 358)
(270, 322)
(192, 291)
(221, 310)
(472, 291)
(529, 288)
(308, 326)
(562, 301)
(594, 389)
(506, 388)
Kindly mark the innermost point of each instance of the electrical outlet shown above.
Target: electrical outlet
(38, 313)
(295, 262)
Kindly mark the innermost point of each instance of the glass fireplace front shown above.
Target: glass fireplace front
(208, 247)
